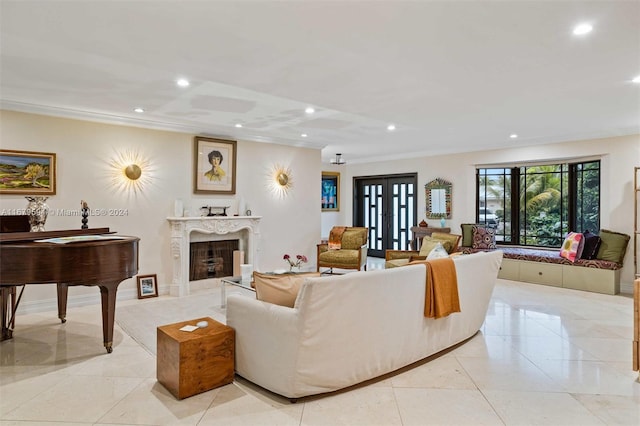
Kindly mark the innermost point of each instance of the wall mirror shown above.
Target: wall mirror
(438, 199)
(330, 190)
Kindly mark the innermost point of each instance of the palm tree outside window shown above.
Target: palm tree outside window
(550, 200)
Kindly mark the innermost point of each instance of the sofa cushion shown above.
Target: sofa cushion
(429, 243)
(395, 263)
(438, 252)
(455, 240)
(591, 245)
(483, 238)
(467, 233)
(279, 289)
(613, 246)
(572, 246)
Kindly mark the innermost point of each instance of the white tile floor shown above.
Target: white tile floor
(544, 356)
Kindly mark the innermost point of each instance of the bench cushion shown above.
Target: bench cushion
(547, 256)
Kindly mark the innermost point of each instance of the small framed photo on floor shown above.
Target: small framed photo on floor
(147, 286)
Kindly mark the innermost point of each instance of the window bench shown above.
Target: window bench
(545, 266)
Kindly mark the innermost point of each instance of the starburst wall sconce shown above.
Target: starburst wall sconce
(130, 171)
(281, 180)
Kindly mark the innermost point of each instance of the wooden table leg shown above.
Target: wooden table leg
(108, 295)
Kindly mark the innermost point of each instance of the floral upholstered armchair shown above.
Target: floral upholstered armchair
(348, 249)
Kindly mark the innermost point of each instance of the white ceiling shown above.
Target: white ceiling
(453, 76)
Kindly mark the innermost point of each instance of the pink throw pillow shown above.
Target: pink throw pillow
(572, 246)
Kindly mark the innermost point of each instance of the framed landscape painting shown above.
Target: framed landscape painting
(215, 166)
(27, 173)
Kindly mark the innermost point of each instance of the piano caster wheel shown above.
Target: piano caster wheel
(63, 320)
(109, 348)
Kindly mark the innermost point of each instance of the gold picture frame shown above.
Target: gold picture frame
(27, 172)
(214, 166)
(330, 191)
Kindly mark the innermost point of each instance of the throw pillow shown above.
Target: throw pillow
(591, 245)
(572, 246)
(483, 238)
(429, 243)
(279, 289)
(613, 246)
(455, 239)
(438, 252)
(467, 233)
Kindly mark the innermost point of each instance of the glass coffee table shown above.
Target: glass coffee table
(234, 281)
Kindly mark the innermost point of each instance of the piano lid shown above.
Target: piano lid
(31, 236)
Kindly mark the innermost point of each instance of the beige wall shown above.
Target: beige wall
(290, 225)
(84, 151)
(619, 156)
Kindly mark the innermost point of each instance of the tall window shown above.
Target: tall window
(538, 205)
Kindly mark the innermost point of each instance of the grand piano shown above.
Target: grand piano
(104, 263)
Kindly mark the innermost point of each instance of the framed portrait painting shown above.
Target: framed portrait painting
(215, 166)
(330, 190)
(28, 173)
(147, 286)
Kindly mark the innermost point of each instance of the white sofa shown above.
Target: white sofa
(345, 329)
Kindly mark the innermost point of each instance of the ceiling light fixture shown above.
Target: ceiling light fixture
(238, 125)
(309, 110)
(391, 127)
(582, 29)
(304, 135)
(139, 110)
(513, 136)
(183, 82)
(338, 160)
(636, 80)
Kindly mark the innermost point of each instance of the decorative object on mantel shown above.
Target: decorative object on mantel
(423, 224)
(215, 166)
(84, 208)
(37, 211)
(27, 172)
(218, 210)
(297, 263)
(443, 222)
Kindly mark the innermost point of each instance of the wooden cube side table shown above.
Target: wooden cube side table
(192, 362)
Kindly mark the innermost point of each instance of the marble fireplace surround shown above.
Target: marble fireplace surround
(209, 228)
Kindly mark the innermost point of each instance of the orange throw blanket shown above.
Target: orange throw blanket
(335, 237)
(441, 291)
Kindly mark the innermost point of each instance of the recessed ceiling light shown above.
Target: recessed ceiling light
(391, 127)
(582, 29)
(513, 136)
(238, 125)
(304, 135)
(140, 110)
(183, 82)
(636, 80)
(309, 110)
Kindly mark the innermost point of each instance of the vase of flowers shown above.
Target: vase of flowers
(297, 262)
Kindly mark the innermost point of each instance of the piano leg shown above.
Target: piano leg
(63, 290)
(7, 308)
(108, 295)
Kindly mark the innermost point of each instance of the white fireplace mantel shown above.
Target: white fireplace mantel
(183, 227)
